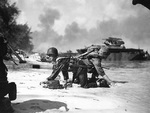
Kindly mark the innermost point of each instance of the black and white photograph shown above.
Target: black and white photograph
(74, 56)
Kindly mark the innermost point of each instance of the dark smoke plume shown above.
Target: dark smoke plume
(134, 28)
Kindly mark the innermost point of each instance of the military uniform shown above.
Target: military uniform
(93, 62)
(90, 63)
(64, 64)
(64, 69)
(3, 68)
(79, 70)
(76, 66)
(5, 87)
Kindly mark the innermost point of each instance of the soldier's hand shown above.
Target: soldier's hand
(112, 84)
(48, 78)
(65, 84)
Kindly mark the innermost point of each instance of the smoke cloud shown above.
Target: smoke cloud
(132, 28)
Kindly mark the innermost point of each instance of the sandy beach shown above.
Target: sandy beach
(130, 95)
(114, 32)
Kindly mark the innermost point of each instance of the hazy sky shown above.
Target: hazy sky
(74, 24)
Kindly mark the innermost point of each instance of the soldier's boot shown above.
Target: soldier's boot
(5, 106)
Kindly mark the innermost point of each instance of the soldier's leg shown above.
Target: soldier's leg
(83, 77)
(75, 78)
(94, 76)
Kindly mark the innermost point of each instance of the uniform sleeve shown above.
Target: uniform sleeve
(94, 54)
(64, 69)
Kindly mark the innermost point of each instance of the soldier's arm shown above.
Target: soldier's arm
(84, 54)
(59, 66)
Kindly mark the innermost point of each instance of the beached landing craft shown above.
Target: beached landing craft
(118, 52)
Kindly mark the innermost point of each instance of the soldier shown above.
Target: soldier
(53, 58)
(92, 59)
(80, 65)
(5, 87)
(63, 64)
(3, 68)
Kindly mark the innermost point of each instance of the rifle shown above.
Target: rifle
(84, 54)
(14, 52)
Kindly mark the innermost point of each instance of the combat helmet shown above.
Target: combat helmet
(93, 47)
(52, 51)
(104, 52)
